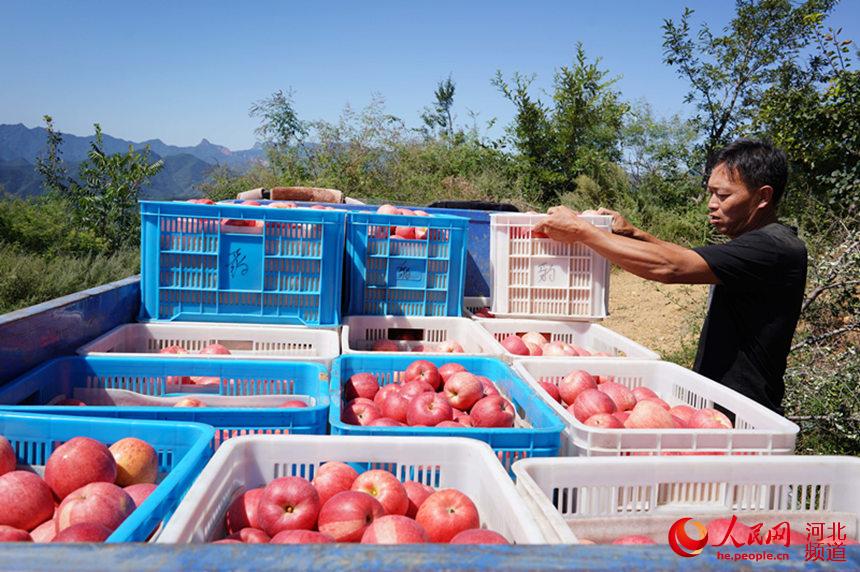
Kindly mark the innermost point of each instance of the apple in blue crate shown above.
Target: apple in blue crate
(450, 369)
(8, 461)
(78, 462)
(360, 412)
(99, 503)
(413, 389)
(493, 411)
(489, 386)
(361, 385)
(140, 492)
(423, 370)
(83, 532)
(429, 409)
(463, 390)
(136, 462)
(394, 406)
(293, 403)
(25, 500)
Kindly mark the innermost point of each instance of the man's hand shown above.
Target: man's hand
(564, 225)
(619, 223)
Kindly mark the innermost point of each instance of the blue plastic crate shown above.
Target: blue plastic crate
(32, 391)
(231, 263)
(183, 450)
(479, 275)
(511, 444)
(389, 276)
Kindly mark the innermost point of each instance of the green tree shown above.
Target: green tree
(728, 73)
(283, 134)
(103, 198)
(577, 135)
(440, 118)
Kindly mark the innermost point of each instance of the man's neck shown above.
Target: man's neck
(758, 223)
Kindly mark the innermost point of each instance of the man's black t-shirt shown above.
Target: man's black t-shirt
(753, 311)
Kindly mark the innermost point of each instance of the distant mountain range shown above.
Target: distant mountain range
(184, 167)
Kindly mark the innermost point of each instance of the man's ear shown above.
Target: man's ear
(765, 196)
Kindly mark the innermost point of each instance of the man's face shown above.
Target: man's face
(732, 206)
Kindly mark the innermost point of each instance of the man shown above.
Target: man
(758, 276)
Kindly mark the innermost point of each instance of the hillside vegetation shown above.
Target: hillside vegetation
(776, 72)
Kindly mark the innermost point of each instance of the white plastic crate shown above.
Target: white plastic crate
(542, 278)
(245, 341)
(359, 333)
(604, 498)
(249, 462)
(592, 337)
(758, 430)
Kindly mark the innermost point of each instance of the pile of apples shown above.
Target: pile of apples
(741, 534)
(598, 401)
(88, 490)
(340, 505)
(536, 344)
(446, 347)
(427, 396)
(400, 232)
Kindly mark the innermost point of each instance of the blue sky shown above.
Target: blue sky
(182, 71)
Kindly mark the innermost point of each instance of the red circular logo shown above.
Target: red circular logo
(682, 543)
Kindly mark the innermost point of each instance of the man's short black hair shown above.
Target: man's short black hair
(757, 163)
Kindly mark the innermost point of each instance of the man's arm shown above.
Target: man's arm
(659, 260)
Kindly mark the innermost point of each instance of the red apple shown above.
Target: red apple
(621, 416)
(642, 392)
(633, 539)
(72, 402)
(535, 338)
(479, 536)
(346, 515)
(204, 380)
(413, 389)
(12, 534)
(463, 390)
(361, 385)
(493, 411)
(301, 537)
(446, 513)
(83, 532)
(384, 487)
(136, 462)
(683, 412)
(139, 492)
(45, 532)
(622, 396)
(604, 421)
(450, 369)
(591, 402)
(429, 409)
(78, 462)
(99, 503)
(405, 232)
(709, 419)
(450, 347)
(227, 541)
(489, 386)
(174, 349)
(384, 392)
(388, 210)
(581, 352)
(386, 422)
(215, 350)
(515, 345)
(189, 402)
(534, 350)
(384, 346)
(293, 403)
(450, 425)
(288, 503)
(657, 401)
(649, 415)
(251, 536)
(242, 512)
(423, 370)
(417, 494)
(357, 413)
(8, 460)
(552, 389)
(332, 478)
(394, 529)
(575, 383)
(553, 349)
(678, 422)
(395, 406)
